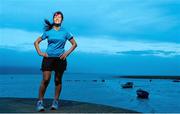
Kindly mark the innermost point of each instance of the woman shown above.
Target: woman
(54, 59)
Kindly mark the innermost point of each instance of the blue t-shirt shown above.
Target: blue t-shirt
(56, 41)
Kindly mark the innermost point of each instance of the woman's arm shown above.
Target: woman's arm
(36, 45)
(74, 45)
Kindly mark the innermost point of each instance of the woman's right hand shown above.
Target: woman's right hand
(43, 54)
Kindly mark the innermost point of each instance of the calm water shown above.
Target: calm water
(164, 94)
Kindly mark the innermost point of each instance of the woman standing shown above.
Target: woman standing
(54, 59)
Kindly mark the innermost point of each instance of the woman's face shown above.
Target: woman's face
(57, 19)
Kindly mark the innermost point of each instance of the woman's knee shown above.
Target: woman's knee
(58, 82)
(46, 82)
(46, 77)
(58, 78)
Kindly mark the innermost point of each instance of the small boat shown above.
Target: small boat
(127, 85)
(103, 80)
(177, 80)
(94, 80)
(142, 94)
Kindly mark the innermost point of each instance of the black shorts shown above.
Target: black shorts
(53, 64)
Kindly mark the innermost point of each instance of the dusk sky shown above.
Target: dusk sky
(124, 37)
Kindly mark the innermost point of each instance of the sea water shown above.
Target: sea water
(99, 89)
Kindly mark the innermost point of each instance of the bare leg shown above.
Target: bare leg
(44, 84)
(58, 84)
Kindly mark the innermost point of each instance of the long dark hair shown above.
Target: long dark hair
(48, 26)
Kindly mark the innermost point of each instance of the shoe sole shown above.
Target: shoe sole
(52, 108)
(42, 110)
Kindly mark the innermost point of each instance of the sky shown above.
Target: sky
(125, 37)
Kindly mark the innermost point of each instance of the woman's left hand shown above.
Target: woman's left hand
(63, 56)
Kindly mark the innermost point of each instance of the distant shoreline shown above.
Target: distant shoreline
(149, 77)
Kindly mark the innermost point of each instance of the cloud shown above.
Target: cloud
(159, 53)
(106, 45)
(18, 39)
(155, 20)
(23, 41)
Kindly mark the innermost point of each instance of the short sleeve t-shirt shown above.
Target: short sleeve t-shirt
(56, 41)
